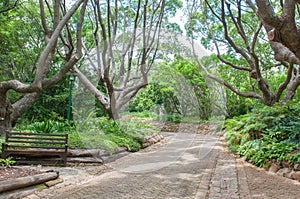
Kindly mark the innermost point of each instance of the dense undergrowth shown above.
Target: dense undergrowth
(96, 132)
(267, 134)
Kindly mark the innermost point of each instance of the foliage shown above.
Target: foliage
(20, 41)
(266, 134)
(176, 118)
(48, 126)
(136, 128)
(146, 98)
(194, 77)
(140, 116)
(235, 105)
(123, 135)
(155, 94)
(242, 61)
(261, 151)
(177, 89)
(8, 162)
(52, 104)
(96, 132)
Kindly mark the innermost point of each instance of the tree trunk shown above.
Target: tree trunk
(10, 113)
(290, 91)
(112, 111)
(22, 105)
(5, 113)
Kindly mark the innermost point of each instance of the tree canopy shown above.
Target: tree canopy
(242, 38)
(112, 46)
(59, 44)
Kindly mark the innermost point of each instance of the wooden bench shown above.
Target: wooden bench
(35, 145)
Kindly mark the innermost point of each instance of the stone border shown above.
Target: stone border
(286, 170)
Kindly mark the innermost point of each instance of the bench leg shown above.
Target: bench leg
(64, 159)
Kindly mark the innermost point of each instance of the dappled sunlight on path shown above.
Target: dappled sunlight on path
(169, 154)
(184, 166)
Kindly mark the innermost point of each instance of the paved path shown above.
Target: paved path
(186, 166)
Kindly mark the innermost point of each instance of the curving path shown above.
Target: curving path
(186, 166)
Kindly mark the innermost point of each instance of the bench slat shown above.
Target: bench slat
(39, 134)
(36, 137)
(37, 142)
(35, 145)
(28, 152)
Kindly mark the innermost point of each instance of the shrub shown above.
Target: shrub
(91, 131)
(269, 133)
(48, 126)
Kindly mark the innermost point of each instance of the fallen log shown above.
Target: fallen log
(17, 183)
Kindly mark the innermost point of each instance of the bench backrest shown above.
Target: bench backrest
(24, 140)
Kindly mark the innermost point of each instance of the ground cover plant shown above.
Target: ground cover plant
(267, 134)
(7, 162)
(96, 132)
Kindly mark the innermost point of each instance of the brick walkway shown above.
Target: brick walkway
(186, 166)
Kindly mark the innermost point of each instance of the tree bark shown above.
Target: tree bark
(284, 25)
(291, 90)
(21, 106)
(122, 69)
(284, 39)
(5, 113)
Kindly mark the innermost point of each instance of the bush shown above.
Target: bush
(123, 135)
(48, 126)
(96, 132)
(266, 134)
(260, 151)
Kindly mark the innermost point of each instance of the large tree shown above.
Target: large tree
(253, 39)
(284, 36)
(125, 42)
(62, 41)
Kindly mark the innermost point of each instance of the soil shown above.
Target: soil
(266, 185)
(16, 172)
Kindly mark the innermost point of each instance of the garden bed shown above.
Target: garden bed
(16, 172)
